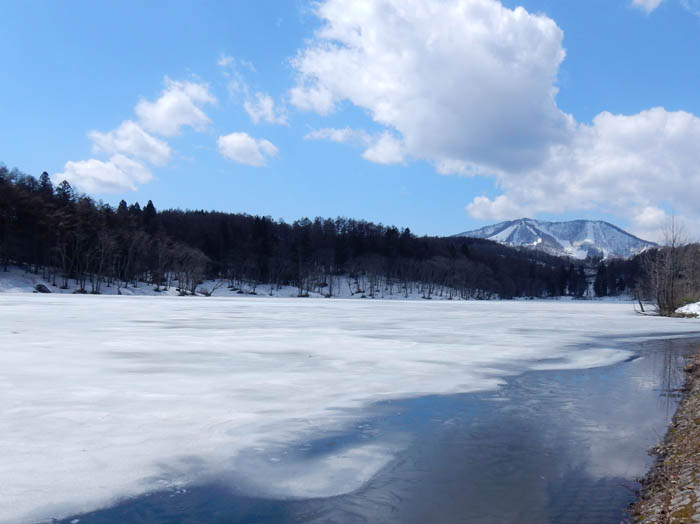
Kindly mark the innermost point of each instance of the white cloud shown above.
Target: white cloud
(650, 217)
(130, 139)
(619, 163)
(313, 98)
(484, 208)
(261, 107)
(117, 175)
(646, 5)
(179, 105)
(244, 149)
(470, 86)
(466, 82)
(649, 223)
(385, 150)
(228, 63)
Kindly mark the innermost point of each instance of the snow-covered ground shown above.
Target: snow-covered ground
(105, 397)
(19, 280)
(690, 309)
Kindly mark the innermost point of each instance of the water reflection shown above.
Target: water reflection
(559, 447)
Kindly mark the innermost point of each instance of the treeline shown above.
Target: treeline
(671, 273)
(70, 236)
(616, 277)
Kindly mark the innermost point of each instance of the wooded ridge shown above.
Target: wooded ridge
(71, 236)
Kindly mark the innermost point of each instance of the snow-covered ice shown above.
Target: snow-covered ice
(106, 397)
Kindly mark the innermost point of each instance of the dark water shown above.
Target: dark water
(548, 447)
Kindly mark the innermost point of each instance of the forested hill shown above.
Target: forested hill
(71, 236)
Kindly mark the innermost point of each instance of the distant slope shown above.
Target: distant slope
(577, 238)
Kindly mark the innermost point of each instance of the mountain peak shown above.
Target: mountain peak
(575, 238)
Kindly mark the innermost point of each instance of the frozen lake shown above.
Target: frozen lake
(103, 398)
(555, 447)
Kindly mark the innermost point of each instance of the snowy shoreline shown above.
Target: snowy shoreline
(19, 280)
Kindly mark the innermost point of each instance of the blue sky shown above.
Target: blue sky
(436, 115)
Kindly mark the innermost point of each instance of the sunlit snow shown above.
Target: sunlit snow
(106, 397)
(690, 309)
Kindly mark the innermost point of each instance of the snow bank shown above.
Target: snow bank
(690, 309)
(106, 397)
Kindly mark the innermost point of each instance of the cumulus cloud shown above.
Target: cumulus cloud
(117, 175)
(468, 82)
(387, 149)
(470, 86)
(262, 107)
(646, 5)
(244, 149)
(130, 139)
(618, 163)
(179, 105)
(312, 98)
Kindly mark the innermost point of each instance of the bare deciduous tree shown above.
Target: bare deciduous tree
(670, 272)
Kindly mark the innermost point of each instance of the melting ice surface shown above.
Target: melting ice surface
(108, 397)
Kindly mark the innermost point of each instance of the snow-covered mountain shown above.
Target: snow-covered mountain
(576, 239)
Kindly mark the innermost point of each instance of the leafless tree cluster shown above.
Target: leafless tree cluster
(71, 237)
(671, 273)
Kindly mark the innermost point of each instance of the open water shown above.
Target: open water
(547, 447)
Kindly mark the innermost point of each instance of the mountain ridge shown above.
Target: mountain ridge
(577, 239)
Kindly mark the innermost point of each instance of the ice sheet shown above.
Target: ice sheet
(105, 397)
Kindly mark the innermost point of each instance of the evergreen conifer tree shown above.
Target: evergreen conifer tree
(64, 193)
(45, 185)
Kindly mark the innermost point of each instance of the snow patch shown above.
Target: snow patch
(690, 309)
